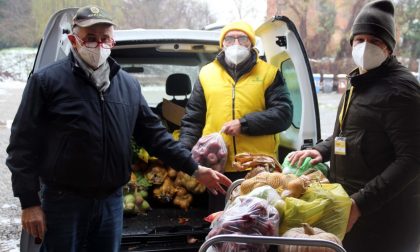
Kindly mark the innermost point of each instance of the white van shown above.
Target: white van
(152, 56)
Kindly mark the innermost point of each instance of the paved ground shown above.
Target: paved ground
(327, 104)
(10, 96)
(9, 206)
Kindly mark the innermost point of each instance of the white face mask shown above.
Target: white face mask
(368, 56)
(94, 57)
(236, 54)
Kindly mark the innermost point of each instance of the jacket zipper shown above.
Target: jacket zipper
(102, 102)
(233, 109)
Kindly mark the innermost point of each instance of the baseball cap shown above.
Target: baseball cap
(91, 15)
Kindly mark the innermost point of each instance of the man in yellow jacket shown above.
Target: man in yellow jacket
(240, 95)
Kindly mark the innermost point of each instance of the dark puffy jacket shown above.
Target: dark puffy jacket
(70, 135)
(382, 163)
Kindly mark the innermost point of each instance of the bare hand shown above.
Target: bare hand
(300, 156)
(33, 221)
(212, 179)
(354, 215)
(232, 128)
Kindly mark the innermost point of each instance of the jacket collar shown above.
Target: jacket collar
(113, 66)
(237, 71)
(370, 77)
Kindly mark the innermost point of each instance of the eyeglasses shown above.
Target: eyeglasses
(241, 39)
(107, 44)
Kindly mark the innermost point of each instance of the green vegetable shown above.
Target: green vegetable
(143, 182)
(144, 193)
(135, 149)
(129, 206)
(129, 198)
(145, 205)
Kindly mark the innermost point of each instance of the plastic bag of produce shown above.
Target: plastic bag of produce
(272, 196)
(325, 206)
(306, 165)
(246, 216)
(211, 151)
(266, 192)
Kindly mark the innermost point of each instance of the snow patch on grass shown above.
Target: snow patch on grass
(16, 63)
(9, 246)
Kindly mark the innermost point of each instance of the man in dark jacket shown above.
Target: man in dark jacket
(375, 148)
(240, 95)
(72, 135)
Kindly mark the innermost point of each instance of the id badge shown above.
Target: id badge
(340, 145)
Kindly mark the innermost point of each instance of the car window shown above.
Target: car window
(289, 73)
(152, 78)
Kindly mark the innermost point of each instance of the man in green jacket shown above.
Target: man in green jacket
(375, 148)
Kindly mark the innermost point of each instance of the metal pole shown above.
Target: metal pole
(272, 240)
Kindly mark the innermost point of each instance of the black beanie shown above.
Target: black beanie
(377, 19)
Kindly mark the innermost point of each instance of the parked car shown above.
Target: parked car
(154, 55)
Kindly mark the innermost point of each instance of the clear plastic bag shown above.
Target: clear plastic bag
(211, 151)
(266, 192)
(246, 216)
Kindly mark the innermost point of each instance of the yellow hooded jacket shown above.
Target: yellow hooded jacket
(227, 100)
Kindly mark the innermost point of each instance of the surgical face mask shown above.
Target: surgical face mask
(94, 57)
(368, 56)
(236, 54)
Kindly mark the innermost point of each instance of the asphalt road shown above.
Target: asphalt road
(9, 205)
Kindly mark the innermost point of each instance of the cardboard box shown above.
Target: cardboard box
(172, 112)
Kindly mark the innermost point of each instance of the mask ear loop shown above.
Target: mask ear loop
(221, 51)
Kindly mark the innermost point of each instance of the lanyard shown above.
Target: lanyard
(345, 108)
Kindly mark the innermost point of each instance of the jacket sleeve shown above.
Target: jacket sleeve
(23, 150)
(402, 124)
(278, 114)
(154, 137)
(192, 123)
(325, 148)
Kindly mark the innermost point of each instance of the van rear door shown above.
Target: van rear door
(283, 48)
(54, 44)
